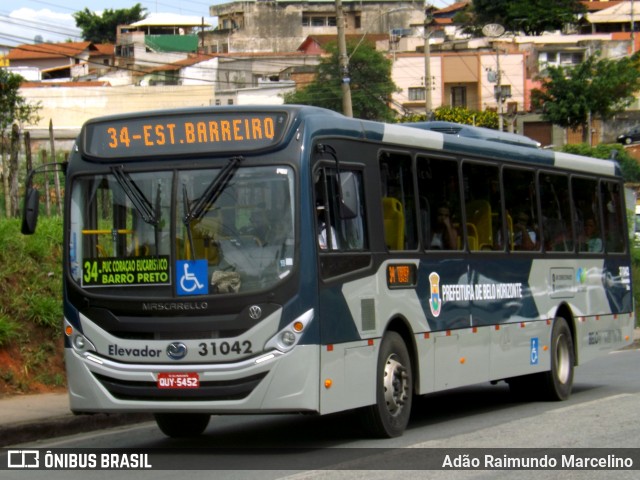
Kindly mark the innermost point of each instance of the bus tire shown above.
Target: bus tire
(556, 384)
(389, 416)
(182, 425)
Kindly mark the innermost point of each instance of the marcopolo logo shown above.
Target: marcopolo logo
(176, 350)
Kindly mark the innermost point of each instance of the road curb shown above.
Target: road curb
(23, 432)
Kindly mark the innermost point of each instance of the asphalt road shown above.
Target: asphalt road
(602, 413)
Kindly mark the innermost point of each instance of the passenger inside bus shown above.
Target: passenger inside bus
(444, 236)
(591, 241)
(524, 235)
(322, 231)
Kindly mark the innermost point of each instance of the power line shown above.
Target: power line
(38, 27)
(149, 5)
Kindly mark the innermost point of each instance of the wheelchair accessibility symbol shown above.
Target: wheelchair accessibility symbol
(192, 277)
(534, 351)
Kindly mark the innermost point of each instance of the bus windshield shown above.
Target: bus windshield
(130, 229)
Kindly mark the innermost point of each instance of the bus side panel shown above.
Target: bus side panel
(472, 320)
(461, 358)
(467, 356)
(348, 374)
(600, 334)
(354, 316)
(520, 349)
(599, 296)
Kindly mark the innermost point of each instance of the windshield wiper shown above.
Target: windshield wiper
(212, 192)
(140, 202)
(208, 198)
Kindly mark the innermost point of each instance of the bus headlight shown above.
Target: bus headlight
(79, 342)
(289, 336)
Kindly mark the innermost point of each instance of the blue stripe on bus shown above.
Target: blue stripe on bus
(471, 295)
(477, 292)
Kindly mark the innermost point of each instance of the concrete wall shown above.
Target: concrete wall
(71, 107)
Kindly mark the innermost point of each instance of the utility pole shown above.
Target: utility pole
(347, 107)
(495, 30)
(428, 105)
(498, 92)
(633, 30)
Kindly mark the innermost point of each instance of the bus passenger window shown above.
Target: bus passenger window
(586, 213)
(340, 210)
(557, 230)
(521, 204)
(439, 204)
(613, 214)
(483, 205)
(398, 202)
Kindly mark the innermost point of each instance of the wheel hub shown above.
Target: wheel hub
(395, 385)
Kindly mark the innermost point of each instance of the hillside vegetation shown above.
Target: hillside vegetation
(31, 344)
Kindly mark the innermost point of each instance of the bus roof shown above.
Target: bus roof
(484, 143)
(479, 133)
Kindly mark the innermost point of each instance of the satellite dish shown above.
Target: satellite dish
(492, 30)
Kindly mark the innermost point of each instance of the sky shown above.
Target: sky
(22, 20)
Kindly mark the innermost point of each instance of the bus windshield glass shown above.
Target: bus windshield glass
(135, 229)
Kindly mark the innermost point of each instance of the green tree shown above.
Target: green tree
(571, 96)
(533, 17)
(370, 82)
(103, 29)
(14, 108)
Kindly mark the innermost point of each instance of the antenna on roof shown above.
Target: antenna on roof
(493, 30)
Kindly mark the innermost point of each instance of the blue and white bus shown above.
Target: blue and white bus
(289, 259)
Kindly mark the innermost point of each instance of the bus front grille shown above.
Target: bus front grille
(210, 390)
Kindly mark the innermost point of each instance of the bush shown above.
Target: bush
(487, 118)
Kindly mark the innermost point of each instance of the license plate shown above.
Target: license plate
(178, 380)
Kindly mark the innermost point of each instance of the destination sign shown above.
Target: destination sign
(126, 272)
(182, 134)
(401, 275)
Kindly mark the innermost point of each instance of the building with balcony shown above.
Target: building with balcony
(267, 26)
(157, 40)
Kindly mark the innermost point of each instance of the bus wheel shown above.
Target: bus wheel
(181, 425)
(557, 382)
(394, 389)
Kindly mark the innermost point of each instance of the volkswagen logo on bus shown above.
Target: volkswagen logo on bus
(176, 350)
(255, 312)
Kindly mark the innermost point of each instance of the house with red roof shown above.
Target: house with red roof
(67, 60)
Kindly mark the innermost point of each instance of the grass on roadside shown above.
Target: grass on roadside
(30, 306)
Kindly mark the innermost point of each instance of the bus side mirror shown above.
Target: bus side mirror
(30, 211)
